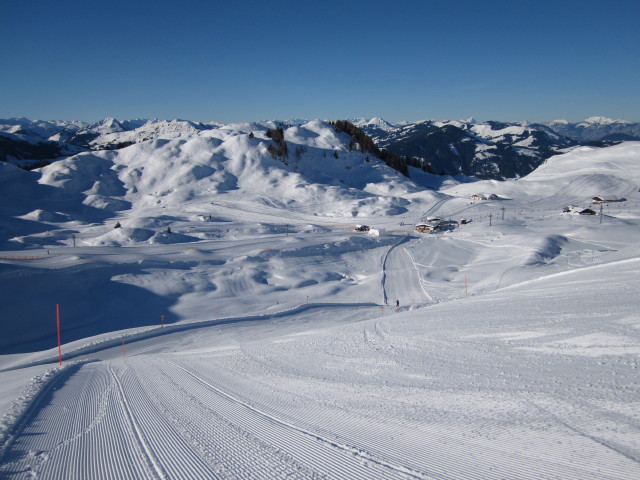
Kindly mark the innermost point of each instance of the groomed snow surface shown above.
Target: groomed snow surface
(513, 353)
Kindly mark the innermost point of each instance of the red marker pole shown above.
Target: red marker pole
(58, 325)
(162, 320)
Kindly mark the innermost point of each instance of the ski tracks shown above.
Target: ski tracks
(72, 435)
(164, 417)
(273, 445)
(397, 281)
(149, 418)
(136, 433)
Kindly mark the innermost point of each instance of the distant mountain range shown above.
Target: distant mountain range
(597, 128)
(30, 143)
(482, 149)
(492, 150)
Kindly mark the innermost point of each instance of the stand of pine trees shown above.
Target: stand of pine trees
(280, 148)
(361, 141)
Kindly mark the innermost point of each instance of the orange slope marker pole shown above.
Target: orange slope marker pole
(58, 325)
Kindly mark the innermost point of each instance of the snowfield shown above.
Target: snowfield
(235, 325)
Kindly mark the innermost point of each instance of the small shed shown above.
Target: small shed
(587, 211)
(602, 199)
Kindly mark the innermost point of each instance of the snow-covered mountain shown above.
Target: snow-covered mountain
(226, 180)
(111, 134)
(597, 129)
(481, 149)
(374, 127)
(318, 173)
(29, 142)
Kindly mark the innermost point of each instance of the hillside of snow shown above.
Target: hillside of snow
(219, 185)
(222, 317)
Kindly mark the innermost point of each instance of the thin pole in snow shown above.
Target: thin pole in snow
(600, 213)
(162, 320)
(58, 325)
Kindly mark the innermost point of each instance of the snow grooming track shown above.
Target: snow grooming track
(229, 450)
(75, 432)
(22, 411)
(346, 461)
(140, 439)
(568, 424)
(163, 450)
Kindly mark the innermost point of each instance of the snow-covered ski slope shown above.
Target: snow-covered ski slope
(513, 354)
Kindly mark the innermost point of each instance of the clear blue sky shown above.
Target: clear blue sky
(237, 60)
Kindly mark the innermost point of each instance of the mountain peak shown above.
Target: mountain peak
(108, 125)
(603, 121)
(375, 122)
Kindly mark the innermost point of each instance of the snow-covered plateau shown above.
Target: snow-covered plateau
(225, 313)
